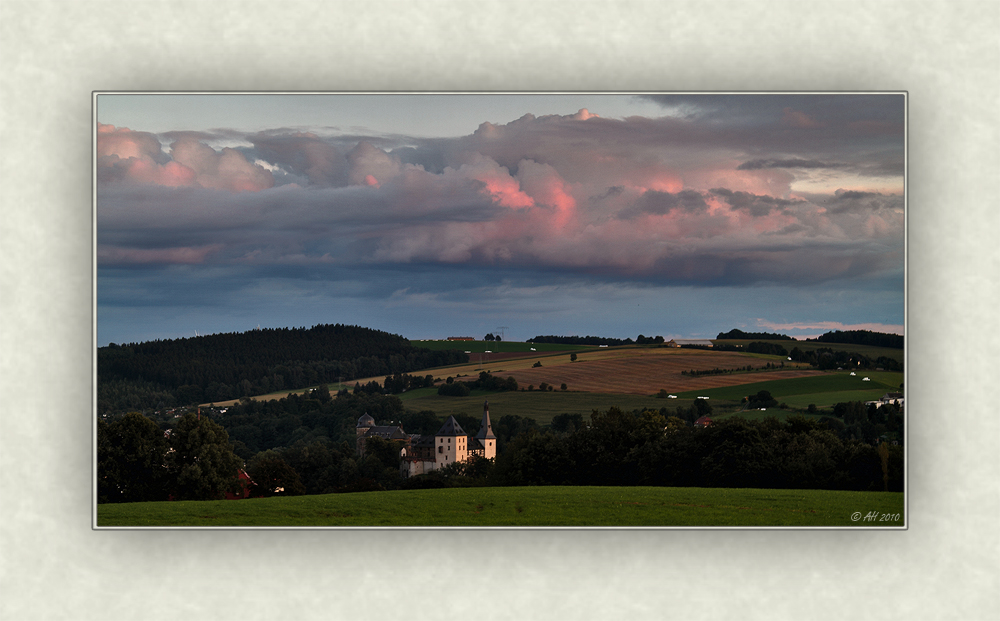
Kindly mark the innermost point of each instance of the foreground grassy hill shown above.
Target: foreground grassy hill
(527, 507)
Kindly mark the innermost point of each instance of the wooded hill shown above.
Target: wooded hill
(862, 337)
(217, 367)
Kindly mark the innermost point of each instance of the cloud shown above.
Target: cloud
(791, 163)
(112, 255)
(126, 156)
(753, 204)
(686, 199)
(653, 202)
(305, 154)
(796, 118)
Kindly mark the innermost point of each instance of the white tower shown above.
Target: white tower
(485, 435)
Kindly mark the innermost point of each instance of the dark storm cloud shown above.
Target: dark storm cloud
(793, 163)
(753, 204)
(658, 203)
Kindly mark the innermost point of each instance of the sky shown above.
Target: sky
(437, 215)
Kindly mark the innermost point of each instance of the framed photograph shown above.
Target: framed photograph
(500, 310)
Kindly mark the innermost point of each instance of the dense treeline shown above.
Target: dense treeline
(740, 334)
(826, 358)
(619, 448)
(301, 444)
(486, 381)
(306, 445)
(862, 337)
(219, 367)
(581, 340)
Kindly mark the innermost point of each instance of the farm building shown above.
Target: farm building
(895, 398)
(449, 445)
(695, 342)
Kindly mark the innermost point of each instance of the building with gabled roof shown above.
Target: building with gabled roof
(449, 445)
(368, 429)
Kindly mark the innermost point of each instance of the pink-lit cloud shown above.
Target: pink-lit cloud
(670, 199)
(115, 255)
(124, 155)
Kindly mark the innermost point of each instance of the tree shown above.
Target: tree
(272, 476)
(572, 357)
(130, 454)
(202, 465)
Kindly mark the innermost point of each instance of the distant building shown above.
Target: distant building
(368, 429)
(704, 421)
(449, 445)
(672, 343)
(894, 398)
(698, 342)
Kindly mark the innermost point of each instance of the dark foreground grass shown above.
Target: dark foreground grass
(528, 507)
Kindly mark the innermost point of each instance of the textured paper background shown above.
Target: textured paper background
(53, 566)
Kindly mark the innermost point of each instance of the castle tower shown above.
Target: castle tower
(485, 435)
(450, 444)
(365, 423)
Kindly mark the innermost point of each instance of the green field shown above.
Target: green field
(822, 390)
(478, 347)
(541, 406)
(527, 507)
(871, 351)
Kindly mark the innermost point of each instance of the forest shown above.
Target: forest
(862, 337)
(305, 444)
(736, 333)
(167, 373)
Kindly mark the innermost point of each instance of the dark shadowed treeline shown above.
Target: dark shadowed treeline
(740, 334)
(219, 367)
(619, 448)
(581, 340)
(862, 337)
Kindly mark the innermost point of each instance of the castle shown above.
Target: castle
(422, 454)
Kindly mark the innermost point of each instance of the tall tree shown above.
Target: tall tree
(202, 465)
(130, 454)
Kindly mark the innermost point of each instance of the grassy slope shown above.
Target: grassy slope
(823, 390)
(526, 506)
(871, 351)
(537, 405)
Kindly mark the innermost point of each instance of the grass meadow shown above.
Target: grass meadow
(528, 507)
(823, 390)
(871, 351)
(541, 406)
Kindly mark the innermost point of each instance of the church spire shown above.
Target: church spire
(486, 428)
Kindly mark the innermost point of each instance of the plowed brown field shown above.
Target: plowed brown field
(646, 375)
(641, 371)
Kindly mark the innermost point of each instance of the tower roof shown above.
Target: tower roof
(486, 428)
(451, 428)
(366, 421)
